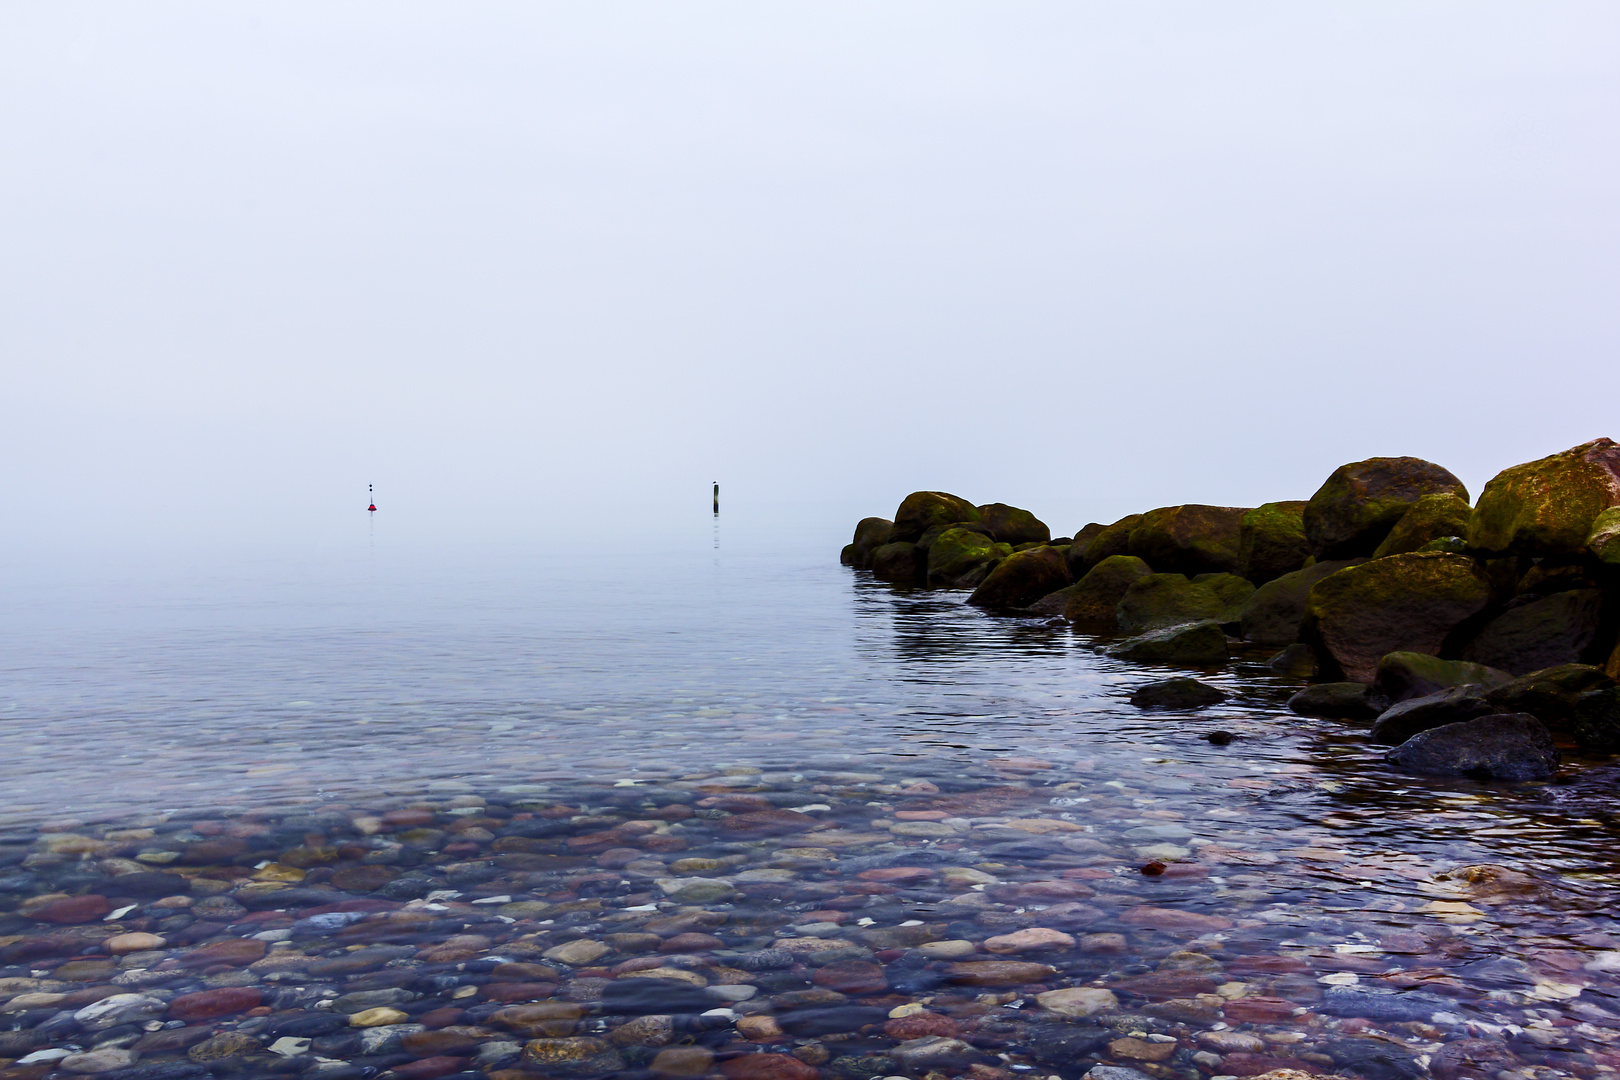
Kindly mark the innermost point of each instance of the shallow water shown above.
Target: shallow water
(748, 666)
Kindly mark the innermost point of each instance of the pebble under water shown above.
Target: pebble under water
(749, 815)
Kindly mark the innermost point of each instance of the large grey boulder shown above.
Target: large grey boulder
(1514, 746)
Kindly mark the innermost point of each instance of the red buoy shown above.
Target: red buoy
(372, 495)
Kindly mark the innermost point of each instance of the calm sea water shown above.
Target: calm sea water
(378, 671)
(378, 667)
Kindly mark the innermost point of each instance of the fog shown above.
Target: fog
(551, 269)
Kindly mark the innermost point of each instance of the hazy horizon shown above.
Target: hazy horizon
(552, 269)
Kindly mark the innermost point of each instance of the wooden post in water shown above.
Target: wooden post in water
(717, 498)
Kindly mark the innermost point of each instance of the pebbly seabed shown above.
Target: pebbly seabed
(1067, 914)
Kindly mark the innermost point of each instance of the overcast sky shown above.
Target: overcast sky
(558, 266)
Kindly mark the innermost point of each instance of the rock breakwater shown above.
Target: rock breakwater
(1385, 565)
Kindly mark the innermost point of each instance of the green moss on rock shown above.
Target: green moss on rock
(1159, 600)
(1275, 613)
(1022, 578)
(1199, 644)
(1548, 507)
(1010, 525)
(922, 510)
(1271, 541)
(1190, 539)
(956, 551)
(1410, 602)
(1431, 518)
(1092, 601)
(1603, 541)
(1358, 505)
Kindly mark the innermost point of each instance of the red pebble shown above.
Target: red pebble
(1258, 1010)
(440, 1018)
(72, 910)
(209, 1004)
(429, 1068)
(899, 875)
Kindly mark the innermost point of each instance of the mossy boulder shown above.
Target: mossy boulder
(1199, 644)
(1404, 675)
(1022, 578)
(1548, 507)
(1543, 633)
(1549, 695)
(1411, 602)
(899, 564)
(1093, 600)
(1190, 539)
(955, 551)
(922, 510)
(1010, 525)
(1352, 513)
(1431, 518)
(1078, 566)
(1603, 541)
(1275, 613)
(1271, 541)
(934, 532)
(1113, 539)
(1153, 601)
(870, 534)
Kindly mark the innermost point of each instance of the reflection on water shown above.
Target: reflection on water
(775, 674)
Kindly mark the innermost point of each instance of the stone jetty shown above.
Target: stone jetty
(1478, 640)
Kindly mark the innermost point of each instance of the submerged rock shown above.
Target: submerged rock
(1514, 746)
(1190, 539)
(1199, 644)
(1548, 507)
(1403, 602)
(1297, 660)
(1179, 693)
(1271, 541)
(1355, 509)
(1337, 701)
